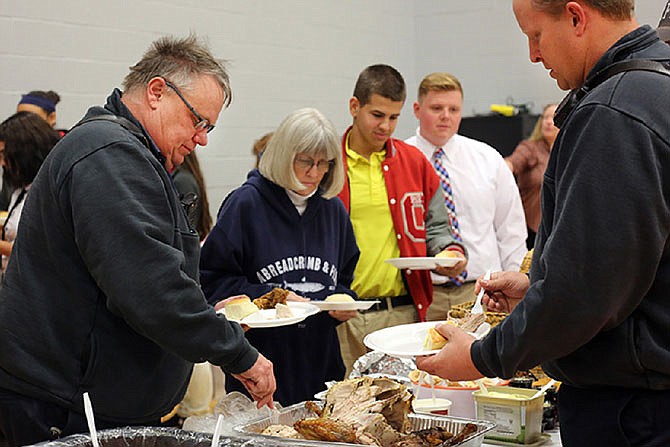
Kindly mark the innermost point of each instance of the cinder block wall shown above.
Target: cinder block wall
(282, 55)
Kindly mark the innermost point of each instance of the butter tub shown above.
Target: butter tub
(516, 413)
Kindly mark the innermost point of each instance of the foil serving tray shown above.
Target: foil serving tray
(293, 413)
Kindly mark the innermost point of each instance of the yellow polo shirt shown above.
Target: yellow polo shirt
(373, 227)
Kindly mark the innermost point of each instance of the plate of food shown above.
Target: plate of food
(342, 301)
(417, 339)
(269, 310)
(423, 263)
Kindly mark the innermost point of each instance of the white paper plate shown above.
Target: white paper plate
(268, 317)
(356, 305)
(422, 263)
(406, 340)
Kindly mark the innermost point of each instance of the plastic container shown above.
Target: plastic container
(462, 400)
(431, 406)
(516, 413)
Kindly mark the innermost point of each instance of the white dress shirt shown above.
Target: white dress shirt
(488, 205)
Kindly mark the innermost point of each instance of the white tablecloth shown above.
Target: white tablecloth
(553, 441)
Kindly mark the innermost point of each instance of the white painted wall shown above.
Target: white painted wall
(283, 54)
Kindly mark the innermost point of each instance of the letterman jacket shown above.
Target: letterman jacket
(420, 218)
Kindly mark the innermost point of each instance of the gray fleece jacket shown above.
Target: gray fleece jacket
(102, 292)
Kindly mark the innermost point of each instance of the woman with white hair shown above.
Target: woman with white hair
(284, 227)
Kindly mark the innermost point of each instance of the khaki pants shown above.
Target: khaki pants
(352, 332)
(445, 297)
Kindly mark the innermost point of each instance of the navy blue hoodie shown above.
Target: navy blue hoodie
(260, 241)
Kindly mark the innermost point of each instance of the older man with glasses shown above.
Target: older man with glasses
(102, 292)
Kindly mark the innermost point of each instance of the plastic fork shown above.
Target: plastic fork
(477, 308)
(88, 409)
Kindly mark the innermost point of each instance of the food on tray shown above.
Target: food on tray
(448, 254)
(339, 298)
(283, 311)
(270, 299)
(469, 323)
(362, 411)
(370, 411)
(428, 379)
(239, 308)
(283, 431)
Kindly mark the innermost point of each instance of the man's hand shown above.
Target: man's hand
(453, 362)
(503, 291)
(454, 270)
(259, 380)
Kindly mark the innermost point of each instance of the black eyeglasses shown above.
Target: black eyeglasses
(306, 164)
(203, 123)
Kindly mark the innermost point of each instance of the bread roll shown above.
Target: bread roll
(448, 254)
(339, 298)
(433, 340)
(239, 308)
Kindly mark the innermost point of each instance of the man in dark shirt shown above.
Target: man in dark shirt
(594, 312)
(101, 294)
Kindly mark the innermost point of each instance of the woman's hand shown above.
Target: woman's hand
(292, 296)
(343, 315)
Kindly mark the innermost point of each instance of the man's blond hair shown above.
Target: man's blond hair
(443, 82)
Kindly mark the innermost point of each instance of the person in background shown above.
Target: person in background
(190, 184)
(594, 312)
(284, 228)
(259, 146)
(479, 189)
(663, 28)
(43, 104)
(396, 207)
(25, 141)
(528, 162)
(101, 295)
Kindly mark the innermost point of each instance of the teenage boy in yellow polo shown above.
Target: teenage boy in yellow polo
(397, 209)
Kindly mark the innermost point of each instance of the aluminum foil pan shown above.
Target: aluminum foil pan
(289, 415)
(376, 362)
(144, 437)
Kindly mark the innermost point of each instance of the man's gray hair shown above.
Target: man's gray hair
(178, 60)
(305, 131)
(614, 9)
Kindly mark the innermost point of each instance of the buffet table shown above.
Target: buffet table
(173, 437)
(553, 440)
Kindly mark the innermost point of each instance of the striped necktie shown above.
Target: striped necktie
(445, 182)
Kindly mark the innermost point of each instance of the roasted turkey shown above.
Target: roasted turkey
(361, 411)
